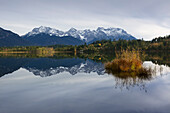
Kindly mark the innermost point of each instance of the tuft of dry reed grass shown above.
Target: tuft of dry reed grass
(127, 61)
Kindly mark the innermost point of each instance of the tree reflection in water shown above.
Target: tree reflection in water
(128, 80)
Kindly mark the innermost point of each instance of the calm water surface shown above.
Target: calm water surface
(74, 85)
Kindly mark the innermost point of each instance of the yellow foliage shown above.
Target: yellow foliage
(126, 61)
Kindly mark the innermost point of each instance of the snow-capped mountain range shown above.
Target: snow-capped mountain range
(86, 35)
(46, 36)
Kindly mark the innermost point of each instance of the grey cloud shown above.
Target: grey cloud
(63, 14)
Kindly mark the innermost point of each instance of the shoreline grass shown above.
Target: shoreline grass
(127, 61)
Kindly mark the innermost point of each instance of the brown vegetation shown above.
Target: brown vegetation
(128, 62)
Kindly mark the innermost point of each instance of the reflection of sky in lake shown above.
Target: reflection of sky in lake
(23, 92)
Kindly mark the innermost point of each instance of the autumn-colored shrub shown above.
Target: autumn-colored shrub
(128, 62)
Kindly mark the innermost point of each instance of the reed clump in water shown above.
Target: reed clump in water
(128, 61)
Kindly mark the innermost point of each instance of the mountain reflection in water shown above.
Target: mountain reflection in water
(76, 85)
(45, 67)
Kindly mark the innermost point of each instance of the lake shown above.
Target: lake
(79, 85)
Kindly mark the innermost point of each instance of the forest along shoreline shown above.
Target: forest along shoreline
(157, 49)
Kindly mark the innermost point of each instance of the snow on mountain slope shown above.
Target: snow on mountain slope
(86, 35)
(47, 30)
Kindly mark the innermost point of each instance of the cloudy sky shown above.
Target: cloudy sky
(142, 18)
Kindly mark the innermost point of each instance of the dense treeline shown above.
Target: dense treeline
(103, 46)
(157, 44)
(34, 49)
(160, 58)
(28, 49)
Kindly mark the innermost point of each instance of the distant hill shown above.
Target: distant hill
(162, 39)
(43, 39)
(8, 38)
